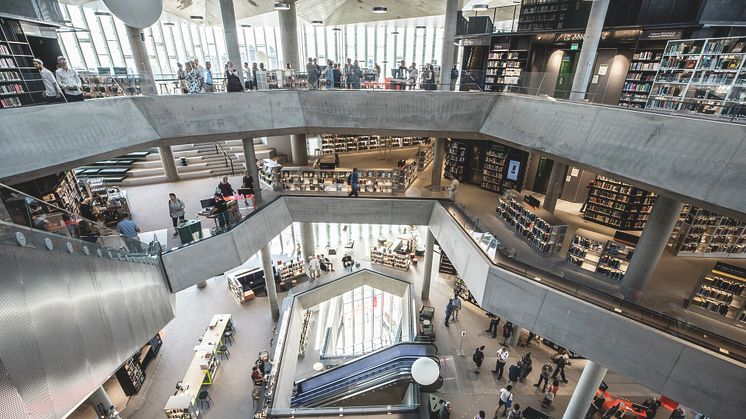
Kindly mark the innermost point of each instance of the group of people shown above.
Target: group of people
(65, 85)
(321, 263)
(336, 76)
(193, 78)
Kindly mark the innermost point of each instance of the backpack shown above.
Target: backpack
(476, 357)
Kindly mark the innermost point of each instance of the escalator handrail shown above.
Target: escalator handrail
(390, 377)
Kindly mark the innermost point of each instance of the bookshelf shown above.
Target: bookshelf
(703, 233)
(455, 160)
(406, 174)
(20, 82)
(494, 166)
(504, 67)
(640, 78)
(701, 76)
(391, 259)
(424, 156)
(721, 294)
(541, 15)
(617, 204)
(289, 270)
(131, 376)
(535, 225)
(270, 173)
(608, 258)
(307, 179)
(335, 143)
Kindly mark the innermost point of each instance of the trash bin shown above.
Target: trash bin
(188, 229)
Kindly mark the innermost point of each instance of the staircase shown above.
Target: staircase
(203, 160)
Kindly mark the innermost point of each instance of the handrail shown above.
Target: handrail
(226, 157)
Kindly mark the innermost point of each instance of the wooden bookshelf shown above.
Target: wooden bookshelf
(617, 204)
(390, 259)
(20, 82)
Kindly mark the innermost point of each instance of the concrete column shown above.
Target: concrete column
(249, 155)
(554, 188)
(517, 332)
(582, 397)
(307, 247)
(231, 35)
(136, 40)
(269, 280)
(100, 396)
(589, 49)
(289, 36)
(299, 149)
(650, 247)
(449, 37)
(438, 151)
(169, 164)
(429, 244)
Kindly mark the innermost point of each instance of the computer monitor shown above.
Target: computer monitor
(205, 203)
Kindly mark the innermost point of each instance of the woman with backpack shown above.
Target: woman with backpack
(478, 357)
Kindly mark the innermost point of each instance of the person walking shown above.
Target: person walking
(478, 357)
(312, 74)
(561, 361)
(502, 358)
(232, 81)
(449, 310)
(175, 210)
(507, 332)
(546, 371)
(456, 306)
(354, 181)
(69, 81)
(505, 400)
(225, 188)
(129, 229)
(550, 394)
(52, 92)
(494, 323)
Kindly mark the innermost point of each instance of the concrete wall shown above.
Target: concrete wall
(698, 161)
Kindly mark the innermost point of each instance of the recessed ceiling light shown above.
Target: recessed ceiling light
(380, 9)
(317, 22)
(169, 24)
(385, 62)
(480, 7)
(102, 13)
(197, 17)
(282, 5)
(395, 32)
(337, 29)
(245, 25)
(421, 27)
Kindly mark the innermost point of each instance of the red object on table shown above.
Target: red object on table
(668, 403)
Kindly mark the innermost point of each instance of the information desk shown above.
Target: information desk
(201, 371)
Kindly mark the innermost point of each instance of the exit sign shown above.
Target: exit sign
(574, 46)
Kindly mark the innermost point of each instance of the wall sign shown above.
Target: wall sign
(514, 166)
(603, 69)
(661, 35)
(574, 46)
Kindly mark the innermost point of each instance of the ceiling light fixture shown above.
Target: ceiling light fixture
(197, 17)
(337, 29)
(395, 32)
(102, 13)
(282, 5)
(480, 7)
(169, 24)
(245, 25)
(380, 9)
(421, 27)
(317, 22)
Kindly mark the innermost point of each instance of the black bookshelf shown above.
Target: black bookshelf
(617, 204)
(455, 160)
(494, 167)
(20, 82)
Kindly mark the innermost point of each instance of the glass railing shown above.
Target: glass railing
(31, 222)
(506, 258)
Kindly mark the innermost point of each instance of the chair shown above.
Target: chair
(228, 335)
(224, 352)
(204, 397)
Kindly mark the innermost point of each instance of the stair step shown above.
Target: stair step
(144, 180)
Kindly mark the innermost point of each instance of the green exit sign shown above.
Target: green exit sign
(575, 46)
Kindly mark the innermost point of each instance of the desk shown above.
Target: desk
(214, 334)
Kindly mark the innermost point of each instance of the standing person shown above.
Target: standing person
(127, 228)
(198, 68)
(561, 361)
(209, 87)
(220, 210)
(516, 412)
(181, 77)
(193, 79)
(88, 231)
(354, 181)
(246, 76)
(354, 75)
(314, 267)
(428, 77)
(69, 81)
(546, 371)
(254, 69)
(225, 188)
(175, 210)
(478, 357)
(247, 182)
(412, 74)
(449, 311)
(329, 74)
(454, 77)
(52, 92)
(347, 71)
(456, 306)
(312, 74)
(494, 323)
(401, 75)
(453, 189)
(526, 366)
(232, 81)
(377, 72)
(502, 358)
(337, 77)
(505, 401)
(507, 332)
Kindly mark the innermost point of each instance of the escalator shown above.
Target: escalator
(381, 377)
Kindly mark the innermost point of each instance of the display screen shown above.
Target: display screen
(514, 167)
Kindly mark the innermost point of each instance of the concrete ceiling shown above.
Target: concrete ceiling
(331, 12)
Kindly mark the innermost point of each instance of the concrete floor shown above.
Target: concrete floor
(467, 391)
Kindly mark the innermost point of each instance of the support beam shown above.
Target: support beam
(582, 397)
(554, 188)
(249, 155)
(307, 241)
(299, 149)
(169, 164)
(650, 247)
(449, 38)
(438, 151)
(136, 38)
(289, 36)
(228, 14)
(589, 49)
(269, 280)
(429, 245)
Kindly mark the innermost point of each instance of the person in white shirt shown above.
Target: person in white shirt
(506, 400)
(69, 81)
(199, 68)
(502, 358)
(314, 268)
(52, 92)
